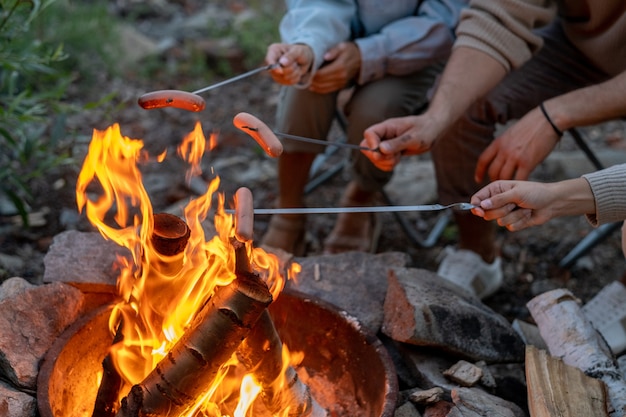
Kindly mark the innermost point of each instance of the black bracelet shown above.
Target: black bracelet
(545, 113)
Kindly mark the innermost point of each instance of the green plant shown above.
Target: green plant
(256, 34)
(36, 71)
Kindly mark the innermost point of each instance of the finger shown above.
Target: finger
(398, 145)
(382, 162)
(517, 220)
(484, 162)
(499, 213)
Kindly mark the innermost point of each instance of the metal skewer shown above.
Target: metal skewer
(370, 209)
(235, 78)
(317, 141)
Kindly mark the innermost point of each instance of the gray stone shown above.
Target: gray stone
(423, 309)
(464, 373)
(354, 281)
(428, 368)
(29, 324)
(14, 403)
(429, 396)
(82, 257)
(12, 264)
(407, 410)
(13, 287)
(476, 402)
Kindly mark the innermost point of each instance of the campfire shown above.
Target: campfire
(192, 333)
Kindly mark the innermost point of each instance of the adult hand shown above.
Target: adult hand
(515, 153)
(342, 64)
(295, 62)
(515, 205)
(409, 135)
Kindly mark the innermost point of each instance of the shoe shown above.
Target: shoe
(286, 233)
(607, 313)
(353, 232)
(467, 269)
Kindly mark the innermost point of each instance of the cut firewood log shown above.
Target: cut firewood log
(557, 389)
(169, 238)
(262, 350)
(194, 361)
(282, 389)
(570, 336)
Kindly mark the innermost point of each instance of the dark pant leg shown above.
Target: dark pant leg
(381, 100)
(304, 113)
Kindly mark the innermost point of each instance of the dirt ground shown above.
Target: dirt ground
(530, 257)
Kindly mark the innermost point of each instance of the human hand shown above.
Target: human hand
(515, 153)
(409, 135)
(295, 62)
(515, 205)
(342, 64)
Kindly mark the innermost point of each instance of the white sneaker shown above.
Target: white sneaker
(467, 269)
(607, 313)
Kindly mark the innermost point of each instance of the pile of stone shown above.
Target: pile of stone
(453, 355)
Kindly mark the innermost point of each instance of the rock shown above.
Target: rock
(475, 402)
(464, 373)
(429, 396)
(428, 368)
(29, 324)
(353, 281)
(423, 309)
(439, 409)
(10, 263)
(82, 257)
(407, 410)
(13, 287)
(14, 403)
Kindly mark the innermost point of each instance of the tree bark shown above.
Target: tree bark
(169, 238)
(570, 336)
(194, 361)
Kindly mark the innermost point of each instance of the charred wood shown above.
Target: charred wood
(194, 361)
(169, 238)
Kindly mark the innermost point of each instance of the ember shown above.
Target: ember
(186, 303)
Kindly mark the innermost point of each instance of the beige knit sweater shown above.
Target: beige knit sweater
(609, 190)
(503, 29)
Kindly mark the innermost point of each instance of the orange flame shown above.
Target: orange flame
(160, 294)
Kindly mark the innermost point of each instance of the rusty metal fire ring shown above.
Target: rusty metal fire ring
(333, 343)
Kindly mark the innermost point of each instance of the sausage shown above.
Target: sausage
(260, 132)
(244, 215)
(172, 98)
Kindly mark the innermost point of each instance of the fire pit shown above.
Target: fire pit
(200, 327)
(347, 368)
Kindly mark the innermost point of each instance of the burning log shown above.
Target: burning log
(194, 361)
(169, 238)
(261, 351)
(570, 336)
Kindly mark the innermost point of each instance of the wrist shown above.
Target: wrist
(573, 197)
(550, 120)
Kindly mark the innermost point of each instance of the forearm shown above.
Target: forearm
(468, 75)
(572, 197)
(590, 105)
